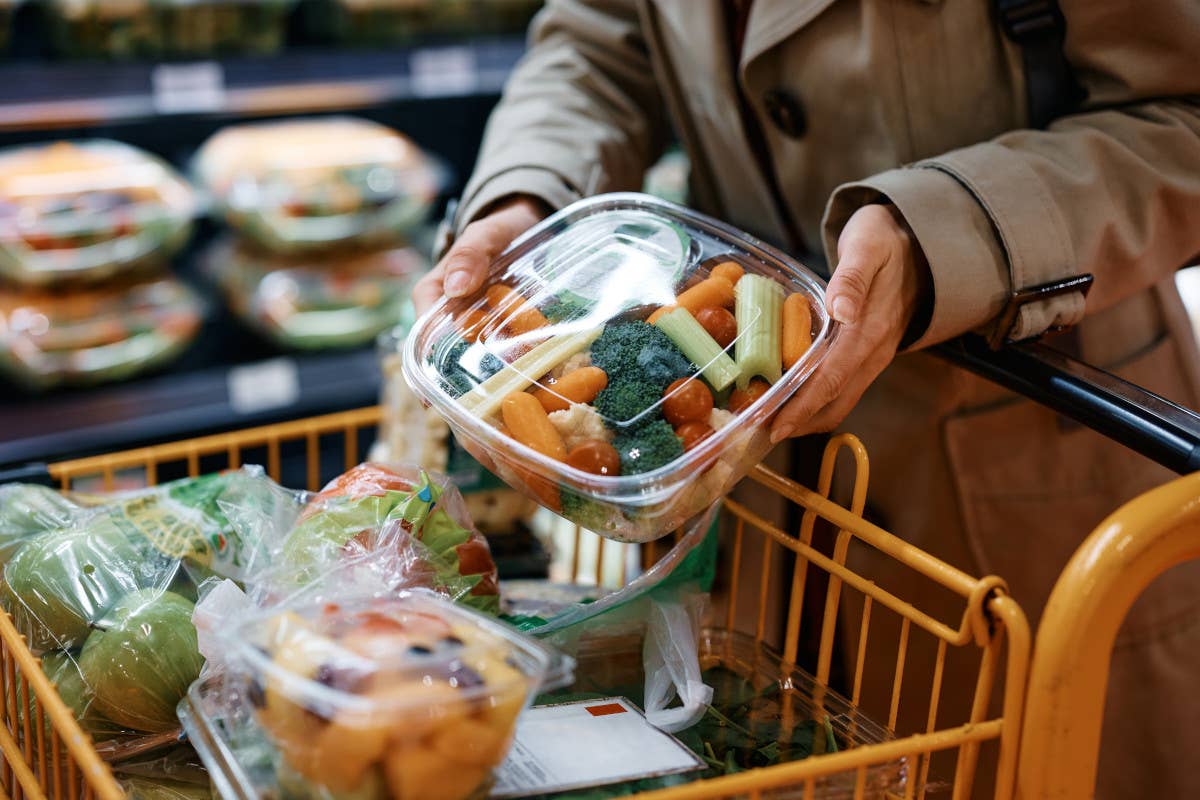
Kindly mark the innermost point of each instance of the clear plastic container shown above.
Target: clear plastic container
(405, 697)
(95, 336)
(86, 210)
(647, 452)
(322, 301)
(123, 29)
(302, 185)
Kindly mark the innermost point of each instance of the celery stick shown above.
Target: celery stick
(758, 308)
(695, 343)
(484, 400)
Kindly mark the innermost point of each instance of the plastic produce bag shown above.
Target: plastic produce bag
(318, 302)
(312, 184)
(95, 335)
(103, 589)
(87, 210)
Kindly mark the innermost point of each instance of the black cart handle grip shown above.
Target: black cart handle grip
(1141, 420)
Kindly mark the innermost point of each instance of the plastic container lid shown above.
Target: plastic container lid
(406, 690)
(73, 210)
(307, 184)
(318, 302)
(97, 335)
(577, 292)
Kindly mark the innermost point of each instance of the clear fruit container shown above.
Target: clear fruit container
(72, 211)
(410, 696)
(322, 301)
(623, 361)
(97, 335)
(303, 185)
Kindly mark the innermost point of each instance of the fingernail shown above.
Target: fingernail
(457, 283)
(781, 432)
(843, 310)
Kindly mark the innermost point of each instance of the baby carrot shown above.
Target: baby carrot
(577, 386)
(729, 270)
(712, 291)
(471, 323)
(529, 424)
(522, 317)
(797, 329)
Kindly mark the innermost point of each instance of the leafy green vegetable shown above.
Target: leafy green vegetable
(647, 447)
(642, 353)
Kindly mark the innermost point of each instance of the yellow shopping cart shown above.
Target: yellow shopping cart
(759, 556)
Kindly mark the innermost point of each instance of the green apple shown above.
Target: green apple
(28, 509)
(64, 673)
(63, 580)
(142, 659)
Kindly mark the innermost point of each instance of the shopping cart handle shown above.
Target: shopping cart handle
(1140, 420)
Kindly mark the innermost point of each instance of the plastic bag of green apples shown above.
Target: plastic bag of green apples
(104, 588)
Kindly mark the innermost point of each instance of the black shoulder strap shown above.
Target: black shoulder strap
(1039, 28)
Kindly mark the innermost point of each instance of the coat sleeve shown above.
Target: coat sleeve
(581, 113)
(1113, 190)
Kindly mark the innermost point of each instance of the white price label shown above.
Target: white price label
(442, 71)
(588, 743)
(263, 386)
(188, 88)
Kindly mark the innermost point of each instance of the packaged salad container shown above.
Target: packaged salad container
(152, 28)
(95, 336)
(405, 697)
(623, 361)
(86, 210)
(302, 185)
(321, 301)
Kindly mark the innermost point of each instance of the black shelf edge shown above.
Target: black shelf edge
(48, 95)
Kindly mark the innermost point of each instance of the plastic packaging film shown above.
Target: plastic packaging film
(327, 301)
(410, 696)
(623, 361)
(92, 336)
(304, 185)
(86, 210)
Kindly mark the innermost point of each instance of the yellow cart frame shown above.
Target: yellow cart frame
(59, 761)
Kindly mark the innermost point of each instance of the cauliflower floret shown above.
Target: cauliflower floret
(578, 424)
(719, 418)
(582, 359)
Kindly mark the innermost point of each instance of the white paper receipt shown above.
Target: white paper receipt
(588, 743)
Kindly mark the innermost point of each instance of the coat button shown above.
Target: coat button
(786, 112)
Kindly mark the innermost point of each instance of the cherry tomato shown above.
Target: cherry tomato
(693, 433)
(687, 400)
(719, 323)
(596, 457)
(742, 399)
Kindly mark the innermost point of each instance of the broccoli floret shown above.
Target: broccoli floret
(647, 447)
(638, 351)
(566, 307)
(590, 514)
(622, 400)
(463, 365)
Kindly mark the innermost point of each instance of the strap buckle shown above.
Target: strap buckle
(1026, 20)
(1033, 294)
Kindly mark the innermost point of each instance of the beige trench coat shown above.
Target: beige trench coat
(921, 103)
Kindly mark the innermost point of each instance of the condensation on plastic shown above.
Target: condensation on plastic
(96, 335)
(302, 185)
(149, 28)
(414, 694)
(625, 254)
(319, 301)
(86, 210)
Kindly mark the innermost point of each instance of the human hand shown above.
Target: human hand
(462, 270)
(880, 281)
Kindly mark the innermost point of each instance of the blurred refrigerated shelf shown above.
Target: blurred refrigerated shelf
(45, 96)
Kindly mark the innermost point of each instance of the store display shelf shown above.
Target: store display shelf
(36, 96)
(175, 405)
